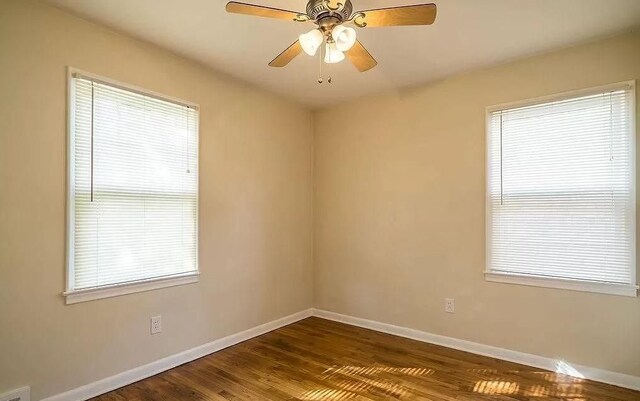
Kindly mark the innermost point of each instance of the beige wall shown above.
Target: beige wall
(399, 214)
(399, 211)
(255, 208)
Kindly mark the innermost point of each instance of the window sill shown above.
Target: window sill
(574, 285)
(90, 294)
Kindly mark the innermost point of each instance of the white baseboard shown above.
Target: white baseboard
(142, 372)
(21, 394)
(555, 365)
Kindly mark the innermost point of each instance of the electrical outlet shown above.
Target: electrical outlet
(449, 305)
(156, 324)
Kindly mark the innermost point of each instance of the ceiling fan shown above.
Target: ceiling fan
(334, 36)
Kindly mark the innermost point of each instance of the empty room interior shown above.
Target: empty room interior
(319, 200)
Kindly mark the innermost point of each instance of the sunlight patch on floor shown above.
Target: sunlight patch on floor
(327, 394)
(346, 382)
(496, 387)
(351, 380)
(373, 370)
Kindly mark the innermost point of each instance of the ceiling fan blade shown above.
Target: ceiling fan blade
(420, 14)
(361, 58)
(286, 56)
(261, 11)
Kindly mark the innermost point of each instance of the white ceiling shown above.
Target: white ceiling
(467, 34)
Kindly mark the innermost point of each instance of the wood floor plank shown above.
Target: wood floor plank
(322, 360)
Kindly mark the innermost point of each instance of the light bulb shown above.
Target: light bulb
(333, 54)
(311, 41)
(344, 37)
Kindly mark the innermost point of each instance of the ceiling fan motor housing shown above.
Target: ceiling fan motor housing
(319, 9)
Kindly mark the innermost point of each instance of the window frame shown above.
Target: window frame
(70, 294)
(631, 289)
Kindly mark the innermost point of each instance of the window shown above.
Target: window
(561, 192)
(133, 190)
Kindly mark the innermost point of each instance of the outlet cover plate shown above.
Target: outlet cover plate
(449, 305)
(156, 324)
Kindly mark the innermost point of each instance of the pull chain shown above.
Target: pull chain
(323, 53)
(501, 161)
(92, 134)
(320, 80)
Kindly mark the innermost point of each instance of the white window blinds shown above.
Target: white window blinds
(561, 191)
(133, 187)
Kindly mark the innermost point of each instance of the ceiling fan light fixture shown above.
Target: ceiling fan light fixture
(333, 54)
(344, 37)
(311, 41)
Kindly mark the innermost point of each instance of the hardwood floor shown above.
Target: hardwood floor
(317, 360)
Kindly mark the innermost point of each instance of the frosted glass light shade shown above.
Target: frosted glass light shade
(311, 41)
(344, 37)
(333, 55)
